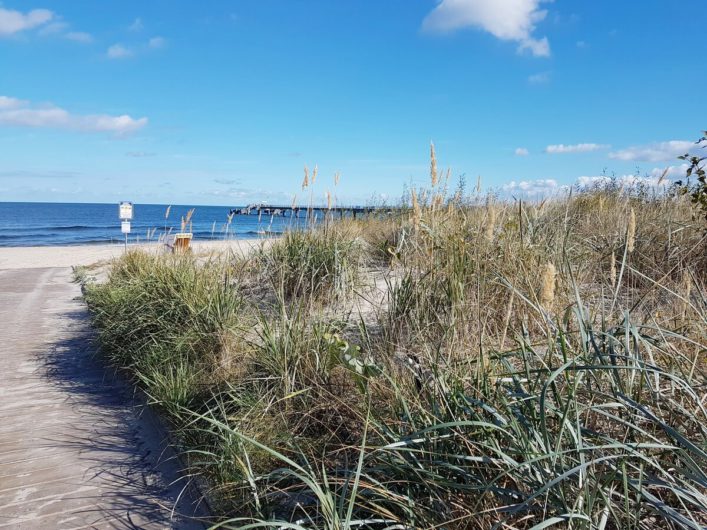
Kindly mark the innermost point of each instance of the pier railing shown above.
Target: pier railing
(293, 211)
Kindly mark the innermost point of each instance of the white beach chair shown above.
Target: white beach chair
(169, 243)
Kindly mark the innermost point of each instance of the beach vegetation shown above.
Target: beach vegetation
(459, 361)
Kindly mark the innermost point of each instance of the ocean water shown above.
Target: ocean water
(42, 224)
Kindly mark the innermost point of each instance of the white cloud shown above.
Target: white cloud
(157, 42)
(137, 25)
(10, 103)
(53, 28)
(655, 152)
(19, 113)
(670, 172)
(521, 151)
(576, 148)
(532, 188)
(12, 22)
(537, 47)
(623, 182)
(512, 20)
(79, 36)
(118, 51)
(46, 22)
(658, 177)
(539, 79)
(592, 181)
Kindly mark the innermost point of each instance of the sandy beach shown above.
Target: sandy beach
(83, 255)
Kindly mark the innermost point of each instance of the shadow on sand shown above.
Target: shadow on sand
(141, 482)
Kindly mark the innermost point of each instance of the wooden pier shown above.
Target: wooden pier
(294, 211)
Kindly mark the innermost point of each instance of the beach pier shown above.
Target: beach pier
(294, 211)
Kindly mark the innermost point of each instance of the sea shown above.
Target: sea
(45, 224)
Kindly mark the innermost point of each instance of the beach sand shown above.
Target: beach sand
(84, 255)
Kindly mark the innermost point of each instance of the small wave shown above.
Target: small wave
(43, 229)
(59, 243)
(261, 232)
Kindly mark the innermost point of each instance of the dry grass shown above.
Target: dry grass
(529, 365)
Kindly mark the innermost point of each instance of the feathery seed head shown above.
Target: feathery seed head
(547, 290)
(416, 211)
(631, 231)
(686, 283)
(490, 222)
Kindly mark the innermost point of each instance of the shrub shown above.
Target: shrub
(315, 264)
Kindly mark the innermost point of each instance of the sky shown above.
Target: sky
(225, 102)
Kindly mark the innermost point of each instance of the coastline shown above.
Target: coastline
(84, 255)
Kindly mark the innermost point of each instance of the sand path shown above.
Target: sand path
(76, 449)
(40, 257)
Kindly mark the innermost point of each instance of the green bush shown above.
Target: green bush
(316, 264)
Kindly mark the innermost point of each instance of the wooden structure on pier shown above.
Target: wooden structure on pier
(293, 211)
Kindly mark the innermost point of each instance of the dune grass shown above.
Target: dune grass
(527, 366)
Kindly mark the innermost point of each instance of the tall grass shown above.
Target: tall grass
(520, 365)
(167, 319)
(313, 264)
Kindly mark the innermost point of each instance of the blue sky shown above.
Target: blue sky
(225, 102)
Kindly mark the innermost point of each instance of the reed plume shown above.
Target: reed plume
(314, 174)
(687, 291)
(490, 222)
(166, 216)
(187, 220)
(547, 290)
(305, 181)
(631, 231)
(337, 177)
(416, 210)
(433, 165)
